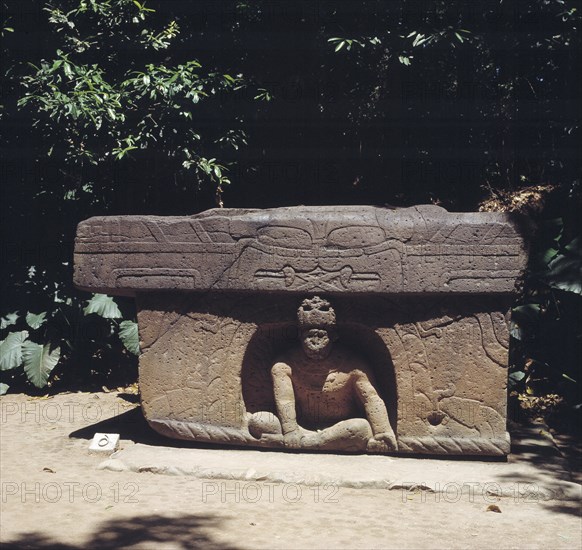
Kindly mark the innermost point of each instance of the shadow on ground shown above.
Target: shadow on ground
(525, 442)
(132, 426)
(183, 532)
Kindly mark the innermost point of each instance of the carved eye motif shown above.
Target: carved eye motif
(356, 236)
(285, 237)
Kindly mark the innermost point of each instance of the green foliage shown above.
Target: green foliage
(128, 334)
(39, 352)
(8, 319)
(564, 270)
(11, 350)
(35, 321)
(107, 106)
(39, 361)
(104, 306)
(547, 324)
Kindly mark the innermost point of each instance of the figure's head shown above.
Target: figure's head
(317, 322)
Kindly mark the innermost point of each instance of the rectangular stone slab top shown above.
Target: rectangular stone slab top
(329, 249)
(344, 328)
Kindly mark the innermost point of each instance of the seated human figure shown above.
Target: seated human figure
(322, 391)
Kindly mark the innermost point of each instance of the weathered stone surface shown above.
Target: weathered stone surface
(440, 367)
(355, 329)
(302, 250)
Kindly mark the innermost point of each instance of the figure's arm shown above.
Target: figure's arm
(375, 409)
(373, 404)
(284, 397)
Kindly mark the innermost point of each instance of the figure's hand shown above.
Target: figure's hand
(382, 443)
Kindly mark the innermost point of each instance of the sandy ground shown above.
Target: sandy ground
(53, 496)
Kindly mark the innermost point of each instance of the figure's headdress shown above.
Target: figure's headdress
(316, 313)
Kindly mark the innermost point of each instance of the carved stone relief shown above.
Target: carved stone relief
(353, 329)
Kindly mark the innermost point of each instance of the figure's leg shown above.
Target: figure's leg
(264, 423)
(351, 435)
(348, 435)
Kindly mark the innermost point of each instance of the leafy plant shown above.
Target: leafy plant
(546, 325)
(36, 351)
(39, 361)
(111, 107)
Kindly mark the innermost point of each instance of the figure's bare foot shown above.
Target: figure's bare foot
(382, 443)
(264, 423)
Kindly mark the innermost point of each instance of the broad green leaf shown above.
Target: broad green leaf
(517, 376)
(104, 306)
(128, 335)
(566, 272)
(549, 255)
(3, 388)
(34, 320)
(39, 361)
(9, 319)
(11, 350)
(569, 286)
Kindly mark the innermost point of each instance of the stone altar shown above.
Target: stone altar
(345, 328)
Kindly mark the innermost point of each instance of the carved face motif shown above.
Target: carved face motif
(315, 313)
(316, 343)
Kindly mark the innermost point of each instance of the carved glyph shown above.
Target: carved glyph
(301, 249)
